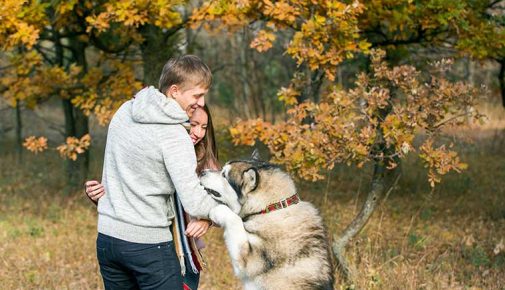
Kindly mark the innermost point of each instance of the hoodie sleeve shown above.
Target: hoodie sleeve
(180, 162)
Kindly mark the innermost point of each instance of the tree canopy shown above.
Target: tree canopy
(79, 51)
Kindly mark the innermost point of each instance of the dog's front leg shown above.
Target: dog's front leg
(235, 236)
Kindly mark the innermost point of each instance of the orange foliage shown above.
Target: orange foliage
(134, 14)
(104, 92)
(21, 22)
(439, 161)
(35, 144)
(263, 41)
(74, 146)
(326, 32)
(32, 32)
(387, 108)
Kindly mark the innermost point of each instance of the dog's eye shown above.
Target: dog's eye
(222, 174)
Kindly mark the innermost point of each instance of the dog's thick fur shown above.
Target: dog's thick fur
(282, 249)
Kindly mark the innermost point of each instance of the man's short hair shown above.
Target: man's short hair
(186, 71)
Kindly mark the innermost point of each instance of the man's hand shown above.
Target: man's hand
(94, 190)
(197, 228)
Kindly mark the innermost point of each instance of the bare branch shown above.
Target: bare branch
(6, 67)
(52, 125)
(98, 42)
(39, 49)
(444, 122)
(493, 3)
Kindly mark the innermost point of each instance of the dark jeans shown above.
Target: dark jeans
(127, 265)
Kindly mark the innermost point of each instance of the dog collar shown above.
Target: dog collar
(294, 199)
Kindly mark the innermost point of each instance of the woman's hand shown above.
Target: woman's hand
(94, 190)
(197, 228)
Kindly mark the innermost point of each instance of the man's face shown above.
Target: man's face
(190, 99)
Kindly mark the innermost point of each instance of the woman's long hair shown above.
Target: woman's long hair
(206, 149)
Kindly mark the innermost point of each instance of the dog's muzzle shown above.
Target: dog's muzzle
(213, 192)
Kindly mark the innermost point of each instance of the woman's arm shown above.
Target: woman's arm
(94, 190)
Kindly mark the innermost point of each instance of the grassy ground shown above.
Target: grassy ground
(418, 239)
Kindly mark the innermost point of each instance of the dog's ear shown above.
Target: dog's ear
(250, 178)
(255, 155)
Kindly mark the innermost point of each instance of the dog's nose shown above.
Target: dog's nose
(205, 171)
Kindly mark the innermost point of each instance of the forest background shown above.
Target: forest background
(388, 113)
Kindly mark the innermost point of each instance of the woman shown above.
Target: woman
(186, 231)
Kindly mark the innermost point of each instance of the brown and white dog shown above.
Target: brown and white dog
(275, 241)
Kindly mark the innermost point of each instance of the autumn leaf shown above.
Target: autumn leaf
(74, 146)
(263, 41)
(35, 144)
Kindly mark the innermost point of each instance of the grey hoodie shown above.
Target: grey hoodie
(148, 156)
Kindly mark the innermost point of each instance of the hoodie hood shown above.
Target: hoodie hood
(151, 106)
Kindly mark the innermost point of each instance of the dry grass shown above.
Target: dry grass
(420, 239)
(417, 240)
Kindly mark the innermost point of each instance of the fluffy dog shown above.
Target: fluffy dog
(275, 241)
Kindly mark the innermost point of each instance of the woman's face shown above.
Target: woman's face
(198, 121)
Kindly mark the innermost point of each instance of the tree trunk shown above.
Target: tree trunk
(314, 89)
(76, 123)
(501, 80)
(81, 129)
(70, 166)
(246, 90)
(381, 180)
(259, 89)
(69, 117)
(157, 48)
(273, 112)
(81, 121)
(312, 85)
(19, 133)
(189, 34)
(3, 131)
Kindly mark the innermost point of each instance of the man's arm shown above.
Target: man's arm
(180, 161)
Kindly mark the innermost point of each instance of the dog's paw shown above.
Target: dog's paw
(220, 214)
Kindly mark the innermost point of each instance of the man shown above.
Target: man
(149, 156)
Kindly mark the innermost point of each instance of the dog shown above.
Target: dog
(275, 240)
